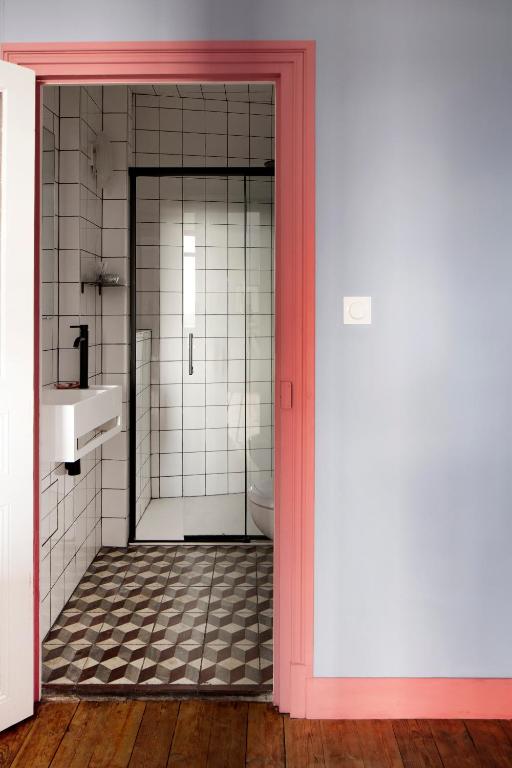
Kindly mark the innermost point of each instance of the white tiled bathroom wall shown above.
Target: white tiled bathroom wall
(71, 220)
(117, 124)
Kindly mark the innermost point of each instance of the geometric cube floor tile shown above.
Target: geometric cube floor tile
(234, 598)
(185, 598)
(124, 625)
(175, 627)
(230, 664)
(232, 626)
(266, 663)
(64, 663)
(117, 664)
(76, 626)
(173, 616)
(172, 664)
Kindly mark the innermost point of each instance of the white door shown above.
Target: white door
(17, 152)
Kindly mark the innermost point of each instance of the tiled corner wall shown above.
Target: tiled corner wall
(71, 222)
(117, 124)
(198, 429)
(143, 426)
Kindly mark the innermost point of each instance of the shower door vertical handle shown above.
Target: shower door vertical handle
(190, 354)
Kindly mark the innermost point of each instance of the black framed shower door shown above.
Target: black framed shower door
(136, 173)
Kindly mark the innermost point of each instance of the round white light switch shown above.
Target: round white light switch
(357, 310)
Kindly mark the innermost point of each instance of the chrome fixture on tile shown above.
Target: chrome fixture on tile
(190, 354)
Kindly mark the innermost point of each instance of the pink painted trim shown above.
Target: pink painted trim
(362, 698)
(290, 65)
(37, 347)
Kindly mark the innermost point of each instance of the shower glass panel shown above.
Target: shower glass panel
(202, 313)
(259, 328)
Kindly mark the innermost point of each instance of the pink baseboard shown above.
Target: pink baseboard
(383, 698)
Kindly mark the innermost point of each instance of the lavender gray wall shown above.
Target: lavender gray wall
(414, 459)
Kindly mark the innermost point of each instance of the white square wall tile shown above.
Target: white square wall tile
(115, 358)
(236, 461)
(116, 447)
(193, 394)
(69, 101)
(169, 395)
(115, 98)
(170, 464)
(236, 482)
(194, 463)
(115, 474)
(170, 441)
(116, 126)
(114, 532)
(216, 462)
(170, 418)
(170, 487)
(69, 133)
(194, 440)
(193, 418)
(217, 439)
(216, 349)
(216, 416)
(194, 485)
(115, 214)
(216, 484)
(216, 394)
(114, 503)
(216, 326)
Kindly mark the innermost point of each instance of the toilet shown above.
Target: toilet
(260, 499)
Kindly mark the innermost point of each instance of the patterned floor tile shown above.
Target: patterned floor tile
(184, 598)
(234, 577)
(125, 626)
(113, 664)
(265, 625)
(232, 626)
(175, 627)
(194, 579)
(230, 664)
(142, 579)
(90, 605)
(266, 663)
(76, 626)
(64, 663)
(233, 598)
(138, 600)
(172, 664)
(178, 615)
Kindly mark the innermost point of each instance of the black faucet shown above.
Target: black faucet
(82, 342)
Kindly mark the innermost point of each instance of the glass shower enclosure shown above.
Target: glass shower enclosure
(202, 347)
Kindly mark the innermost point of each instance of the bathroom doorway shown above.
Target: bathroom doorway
(163, 574)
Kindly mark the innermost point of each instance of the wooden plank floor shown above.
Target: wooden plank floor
(232, 734)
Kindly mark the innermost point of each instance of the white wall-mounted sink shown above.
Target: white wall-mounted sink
(76, 421)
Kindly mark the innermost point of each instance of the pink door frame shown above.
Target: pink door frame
(290, 66)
